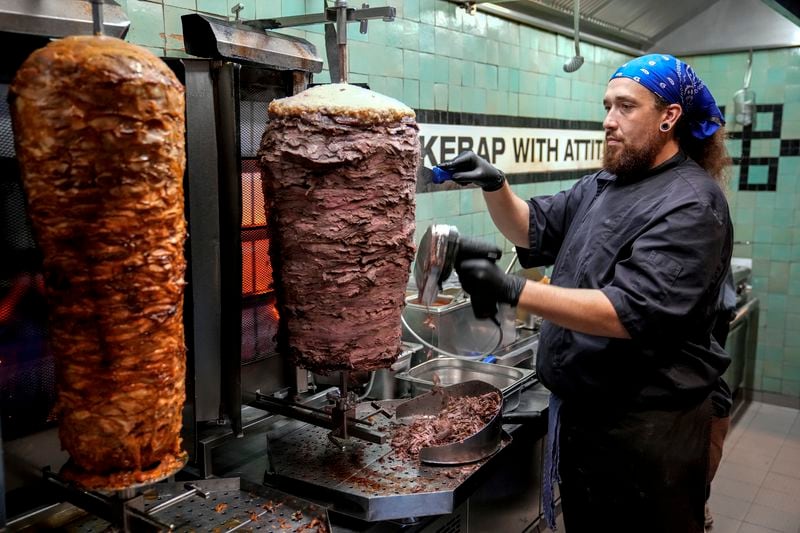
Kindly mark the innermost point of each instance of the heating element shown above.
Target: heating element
(230, 300)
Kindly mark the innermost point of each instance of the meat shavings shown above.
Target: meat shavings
(220, 507)
(460, 417)
(315, 525)
(270, 506)
(297, 516)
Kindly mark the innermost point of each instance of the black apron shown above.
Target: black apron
(634, 471)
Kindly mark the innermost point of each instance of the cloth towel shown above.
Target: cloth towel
(551, 476)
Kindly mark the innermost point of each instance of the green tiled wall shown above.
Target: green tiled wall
(436, 56)
(433, 56)
(767, 224)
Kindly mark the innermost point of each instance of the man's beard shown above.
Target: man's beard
(630, 162)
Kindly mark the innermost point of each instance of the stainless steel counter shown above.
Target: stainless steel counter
(502, 494)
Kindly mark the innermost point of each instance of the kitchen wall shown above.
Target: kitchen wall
(764, 196)
(434, 56)
(437, 57)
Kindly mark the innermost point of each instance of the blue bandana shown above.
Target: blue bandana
(675, 81)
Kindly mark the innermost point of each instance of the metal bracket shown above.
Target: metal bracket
(340, 419)
(387, 14)
(236, 10)
(335, 19)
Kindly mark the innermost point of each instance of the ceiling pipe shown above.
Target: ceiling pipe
(575, 63)
(528, 20)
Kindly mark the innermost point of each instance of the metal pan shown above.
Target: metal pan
(475, 447)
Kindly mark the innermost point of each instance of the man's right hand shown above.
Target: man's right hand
(468, 167)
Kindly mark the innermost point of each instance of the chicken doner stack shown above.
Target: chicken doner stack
(99, 127)
(340, 168)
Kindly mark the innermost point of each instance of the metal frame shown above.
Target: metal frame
(209, 37)
(60, 18)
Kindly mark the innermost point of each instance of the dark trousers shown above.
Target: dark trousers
(636, 471)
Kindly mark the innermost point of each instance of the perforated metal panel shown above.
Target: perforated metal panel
(368, 481)
(259, 314)
(258, 88)
(260, 509)
(27, 371)
(6, 135)
(256, 267)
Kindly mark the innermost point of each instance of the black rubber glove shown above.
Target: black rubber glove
(468, 167)
(484, 281)
(469, 248)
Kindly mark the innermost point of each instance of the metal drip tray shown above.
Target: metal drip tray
(368, 481)
(233, 504)
(451, 370)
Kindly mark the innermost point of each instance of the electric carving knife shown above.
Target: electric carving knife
(440, 249)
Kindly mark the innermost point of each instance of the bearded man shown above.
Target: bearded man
(639, 251)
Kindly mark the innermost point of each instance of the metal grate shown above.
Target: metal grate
(6, 135)
(260, 509)
(259, 314)
(27, 371)
(253, 122)
(452, 526)
(259, 327)
(256, 267)
(368, 481)
(257, 89)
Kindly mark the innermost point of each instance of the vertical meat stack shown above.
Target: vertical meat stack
(99, 126)
(340, 176)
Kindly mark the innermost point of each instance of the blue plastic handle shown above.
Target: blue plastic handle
(441, 175)
(489, 359)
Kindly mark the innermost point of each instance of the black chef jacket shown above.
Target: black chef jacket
(658, 247)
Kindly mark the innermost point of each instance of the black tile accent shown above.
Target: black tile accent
(777, 122)
(790, 147)
(745, 161)
(772, 173)
(430, 116)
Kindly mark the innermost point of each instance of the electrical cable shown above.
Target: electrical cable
(449, 354)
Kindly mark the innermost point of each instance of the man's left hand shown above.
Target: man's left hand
(483, 280)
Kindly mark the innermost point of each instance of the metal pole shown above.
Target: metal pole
(345, 375)
(192, 491)
(341, 38)
(97, 16)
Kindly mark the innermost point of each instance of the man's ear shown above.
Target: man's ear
(672, 114)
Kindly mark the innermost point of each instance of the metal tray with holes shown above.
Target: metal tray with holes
(368, 481)
(232, 505)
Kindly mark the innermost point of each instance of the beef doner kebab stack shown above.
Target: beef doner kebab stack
(340, 168)
(99, 126)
